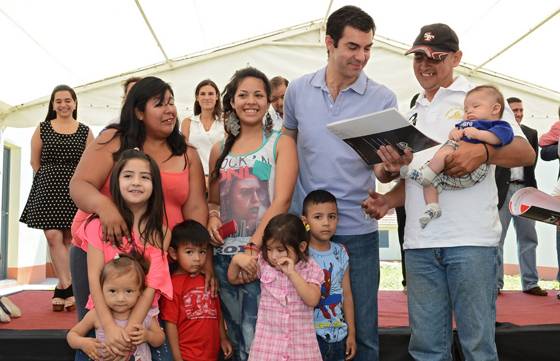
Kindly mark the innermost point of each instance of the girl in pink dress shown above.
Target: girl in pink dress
(137, 191)
(290, 289)
(122, 281)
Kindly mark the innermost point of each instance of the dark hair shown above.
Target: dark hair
(123, 264)
(128, 81)
(51, 114)
(217, 112)
(152, 233)
(289, 230)
(513, 100)
(351, 16)
(190, 232)
(318, 196)
(278, 81)
(227, 97)
(131, 130)
(492, 90)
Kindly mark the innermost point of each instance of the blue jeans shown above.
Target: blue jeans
(332, 351)
(527, 242)
(442, 282)
(239, 308)
(363, 251)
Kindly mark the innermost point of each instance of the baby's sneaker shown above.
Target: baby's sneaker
(432, 211)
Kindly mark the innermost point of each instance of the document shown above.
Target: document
(366, 133)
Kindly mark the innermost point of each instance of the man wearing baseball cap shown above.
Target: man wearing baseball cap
(451, 264)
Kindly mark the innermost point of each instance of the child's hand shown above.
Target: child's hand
(227, 349)
(247, 277)
(471, 132)
(456, 134)
(286, 265)
(138, 334)
(350, 347)
(92, 347)
(247, 263)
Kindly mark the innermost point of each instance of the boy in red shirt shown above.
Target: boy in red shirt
(193, 321)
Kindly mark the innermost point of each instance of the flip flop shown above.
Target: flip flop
(13, 310)
(4, 315)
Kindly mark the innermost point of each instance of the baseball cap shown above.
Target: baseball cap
(435, 40)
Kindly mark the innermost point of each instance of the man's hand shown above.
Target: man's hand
(392, 159)
(465, 159)
(375, 205)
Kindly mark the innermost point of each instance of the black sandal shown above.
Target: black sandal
(58, 299)
(69, 300)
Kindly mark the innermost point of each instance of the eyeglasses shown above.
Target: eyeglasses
(439, 58)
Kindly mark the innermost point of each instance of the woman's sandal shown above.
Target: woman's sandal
(58, 299)
(4, 314)
(12, 310)
(69, 300)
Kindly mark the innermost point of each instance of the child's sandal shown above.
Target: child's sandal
(13, 310)
(58, 299)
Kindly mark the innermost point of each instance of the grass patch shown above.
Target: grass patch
(391, 279)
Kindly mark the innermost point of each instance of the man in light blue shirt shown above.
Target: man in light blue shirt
(339, 91)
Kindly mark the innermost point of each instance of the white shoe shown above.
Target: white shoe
(14, 310)
(4, 317)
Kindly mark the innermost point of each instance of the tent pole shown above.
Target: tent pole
(167, 60)
(475, 69)
(324, 22)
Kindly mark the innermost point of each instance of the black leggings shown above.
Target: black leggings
(80, 283)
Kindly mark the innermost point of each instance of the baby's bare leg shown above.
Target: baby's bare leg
(437, 164)
(431, 194)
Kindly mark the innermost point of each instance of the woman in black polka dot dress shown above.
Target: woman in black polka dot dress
(56, 148)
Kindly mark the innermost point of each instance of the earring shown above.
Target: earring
(232, 124)
(268, 124)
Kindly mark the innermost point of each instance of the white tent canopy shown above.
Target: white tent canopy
(94, 45)
(80, 42)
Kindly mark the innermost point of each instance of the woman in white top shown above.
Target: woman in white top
(206, 127)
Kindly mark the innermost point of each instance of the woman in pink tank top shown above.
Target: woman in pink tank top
(149, 122)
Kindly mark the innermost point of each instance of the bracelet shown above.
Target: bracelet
(251, 246)
(214, 213)
(487, 153)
